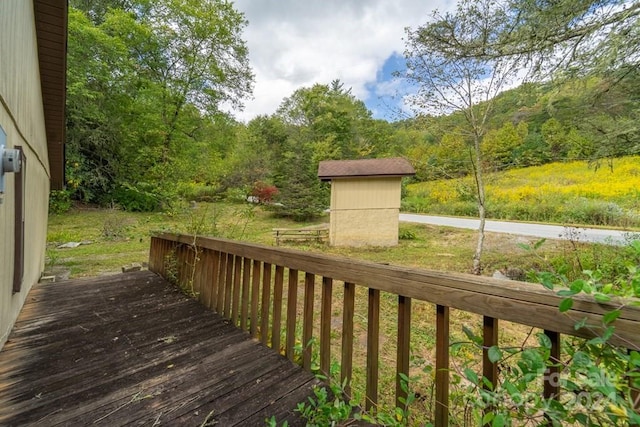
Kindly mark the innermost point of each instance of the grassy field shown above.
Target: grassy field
(114, 238)
(565, 193)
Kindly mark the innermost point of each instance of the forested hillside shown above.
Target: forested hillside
(149, 84)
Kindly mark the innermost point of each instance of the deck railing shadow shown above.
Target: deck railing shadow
(245, 283)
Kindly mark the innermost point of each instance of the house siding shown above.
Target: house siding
(364, 211)
(22, 119)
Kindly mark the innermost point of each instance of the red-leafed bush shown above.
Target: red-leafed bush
(264, 192)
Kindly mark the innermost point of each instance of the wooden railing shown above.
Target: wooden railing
(244, 282)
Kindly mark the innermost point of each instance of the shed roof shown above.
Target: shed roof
(51, 30)
(395, 166)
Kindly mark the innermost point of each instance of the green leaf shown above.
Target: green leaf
(494, 354)
(487, 418)
(539, 243)
(566, 293)
(599, 297)
(611, 316)
(565, 305)
(581, 324)
(471, 376)
(498, 421)
(578, 285)
(544, 340)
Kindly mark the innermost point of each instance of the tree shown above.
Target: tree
(147, 81)
(448, 80)
(570, 35)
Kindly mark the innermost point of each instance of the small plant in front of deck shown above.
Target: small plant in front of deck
(334, 407)
(171, 267)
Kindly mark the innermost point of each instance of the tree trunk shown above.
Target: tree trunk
(477, 171)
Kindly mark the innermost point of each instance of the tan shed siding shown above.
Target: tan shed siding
(21, 117)
(371, 227)
(364, 211)
(365, 193)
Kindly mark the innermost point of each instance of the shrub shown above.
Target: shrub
(59, 201)
(140, 198)
(264, 192)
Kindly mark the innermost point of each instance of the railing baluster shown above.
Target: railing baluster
(255, 297)
(307, 322)
(404, 339)
(490, 338)
(489, 369)
(442, 366)
(196, 285)
(277, 308)
(237, 275)
(206, 268)
(266, 297)
(228, 286)
(222, 270)
(181, 264)
(246, 279)
(325, 327)
(215, 280)
(346, 365)
(292, 306)
(373, 345)
(552, 373)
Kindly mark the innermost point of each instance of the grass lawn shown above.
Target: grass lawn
(114, 238)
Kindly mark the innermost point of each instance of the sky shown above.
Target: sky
(295, 44)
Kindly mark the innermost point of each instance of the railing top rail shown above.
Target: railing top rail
(520, 302)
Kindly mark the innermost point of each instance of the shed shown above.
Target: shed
(365, 200)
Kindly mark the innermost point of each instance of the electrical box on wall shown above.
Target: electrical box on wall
(9, 160)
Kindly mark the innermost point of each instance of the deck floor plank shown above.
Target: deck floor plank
(131, 349)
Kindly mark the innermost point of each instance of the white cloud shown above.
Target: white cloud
(294, 44)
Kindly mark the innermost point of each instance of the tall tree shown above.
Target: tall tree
(449, 81)
(147, 82)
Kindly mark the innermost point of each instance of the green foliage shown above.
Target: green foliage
(333, 407)
(59, 201)
(406, 234)
(140, 198)
(145, 83)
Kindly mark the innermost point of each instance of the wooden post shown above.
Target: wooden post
(266, 298)
(235, 303)
(277, 308)
(346, 365)
(307, 322)
(552, 373)
(489, 369)
(373, 344)
(292, 306)
(228, 286)
(404, 339)
(442, 366)
(246, 299)
(222, 270)
(325, 327)
(255, 298)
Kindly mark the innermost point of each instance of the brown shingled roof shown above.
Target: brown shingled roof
(396, 166)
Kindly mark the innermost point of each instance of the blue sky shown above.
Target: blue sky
(294, 44)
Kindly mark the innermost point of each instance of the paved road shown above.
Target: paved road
(613, 237)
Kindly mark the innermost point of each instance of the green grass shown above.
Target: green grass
(115, 238)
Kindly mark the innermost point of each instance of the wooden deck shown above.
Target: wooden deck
(131, 349)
